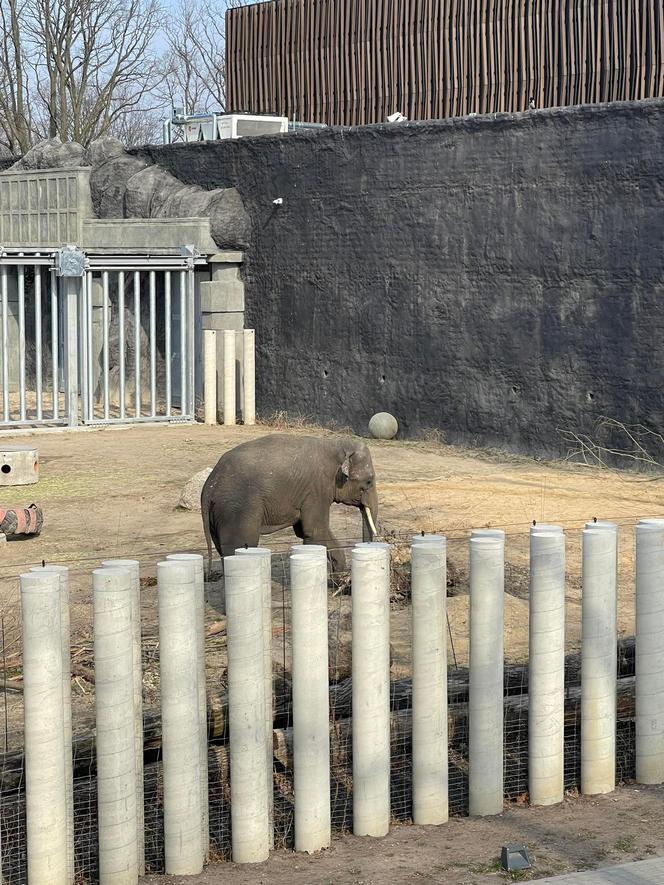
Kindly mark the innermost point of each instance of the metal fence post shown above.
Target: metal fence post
(70, 268)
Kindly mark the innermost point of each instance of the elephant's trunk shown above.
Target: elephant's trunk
(369, 511)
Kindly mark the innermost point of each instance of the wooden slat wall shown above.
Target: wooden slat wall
(348, 62)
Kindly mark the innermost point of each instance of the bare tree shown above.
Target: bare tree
(613, 443)
(79, 65)
(195, 64)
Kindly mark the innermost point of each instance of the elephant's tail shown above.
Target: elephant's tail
(205, 514)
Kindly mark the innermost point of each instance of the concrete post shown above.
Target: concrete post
(649, 653)
(246, 709)
(70, 288)
(485, 702)
(210, 375)
(116, 750)
(499, 534)
(45, 781)
(599, 637)
(249, 376)
(311, 703)
(179, 657)
(429, 596)
(199, 574)
(63, 574)
(546, 667)
(229, 376)
(133, 567)
(265, 556)
(370, 578)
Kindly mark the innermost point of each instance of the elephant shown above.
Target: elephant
(276, 481)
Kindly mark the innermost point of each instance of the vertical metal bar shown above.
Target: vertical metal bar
(191, 343)
(20, 272)
(5, 347)
(83, 347)
(38, 343)
(70, 291)
(153, 345)
(88, 330)
(121, 341)
(167, 327)
(183, 340)
(105, 344)
(137, 343)
(55, 345)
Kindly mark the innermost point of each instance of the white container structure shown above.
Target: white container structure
(649, 652)
(599, 638)
(546, 667)
(485, 701)
(311, 702)
(179, 658)
(265, 556)
(45, 750)
(116, 751)
(429, 597)
(246, 709)
(370, 578)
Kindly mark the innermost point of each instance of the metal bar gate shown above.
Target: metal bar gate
(96, 339)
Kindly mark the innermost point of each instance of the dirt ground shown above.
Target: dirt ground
(579, 834)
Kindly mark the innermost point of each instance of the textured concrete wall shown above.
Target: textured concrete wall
(495, 277)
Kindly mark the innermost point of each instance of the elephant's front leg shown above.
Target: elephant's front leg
(316, 530)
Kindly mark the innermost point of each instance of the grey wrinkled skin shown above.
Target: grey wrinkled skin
(268, 484)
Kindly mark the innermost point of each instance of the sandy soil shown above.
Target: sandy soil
(578, 834)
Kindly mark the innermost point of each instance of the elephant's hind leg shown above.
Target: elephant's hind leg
(238, 530)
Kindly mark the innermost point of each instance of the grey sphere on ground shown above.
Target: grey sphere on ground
(383, 426)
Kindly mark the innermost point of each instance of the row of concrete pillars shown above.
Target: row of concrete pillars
(237, 379)
(117, 645)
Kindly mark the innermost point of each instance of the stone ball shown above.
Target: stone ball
(383, 426)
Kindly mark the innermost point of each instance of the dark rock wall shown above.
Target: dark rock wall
(495, 277)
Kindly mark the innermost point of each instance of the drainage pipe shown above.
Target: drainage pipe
(599, 637)
(246, 709)
(311, 702)
(179, 664)
(485, 701)
(546, 667)
(45, 788)
(429, 595)
(370, 578)
(116, 750)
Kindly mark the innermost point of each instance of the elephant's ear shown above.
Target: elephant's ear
(345, 467)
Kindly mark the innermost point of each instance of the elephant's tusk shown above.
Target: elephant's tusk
(369, 517)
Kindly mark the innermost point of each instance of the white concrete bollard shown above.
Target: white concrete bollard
(649, 665)
(199, 573)
(311, 702)
(246, 709)
(179, 665)
(429, 597)
(498, 534)
(229, 376)
(370, 579)
(63, 573)
(249, 376)
(265, 556)
(133, 567)
(485, 701)
(116, 750)
(210, 375)
(546, 667)
(599, 638)
(44, 742)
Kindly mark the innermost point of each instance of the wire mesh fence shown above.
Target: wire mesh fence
(12, 779)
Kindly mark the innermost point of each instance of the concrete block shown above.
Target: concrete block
(224, 273)
(217, 297)
(226, 257)
(221, 321)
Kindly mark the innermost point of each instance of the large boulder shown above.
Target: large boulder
(190, 499)
(51, 153)
(112, 168)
